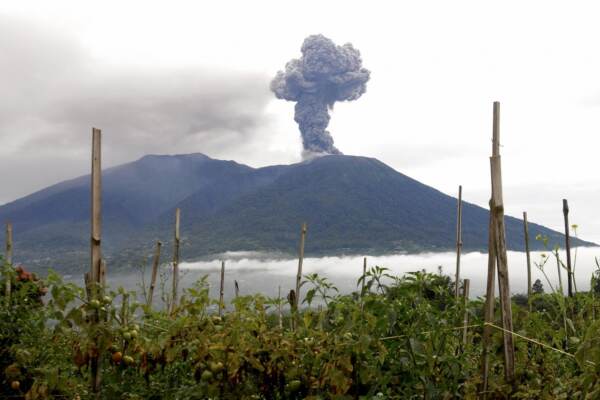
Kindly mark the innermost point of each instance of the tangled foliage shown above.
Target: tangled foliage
(395, 338)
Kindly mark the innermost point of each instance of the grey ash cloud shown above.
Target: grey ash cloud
(54, 91)
(325, 73)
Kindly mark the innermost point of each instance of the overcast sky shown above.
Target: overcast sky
(181, 77)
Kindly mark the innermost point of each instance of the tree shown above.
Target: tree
(537, 287)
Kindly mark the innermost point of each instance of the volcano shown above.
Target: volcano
(352, 205)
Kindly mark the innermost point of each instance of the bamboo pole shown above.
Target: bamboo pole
(222, 289)
(458, 239)
(9, 250)
(300, 261)
(155, 263)
(466, 285)
(279, 310)
(500, 242)
(526, 233)
(95, 276)
(489, 305)
(176, 260)
(362, 289)
(568, 248)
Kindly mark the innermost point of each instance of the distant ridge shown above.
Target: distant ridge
(353, 205)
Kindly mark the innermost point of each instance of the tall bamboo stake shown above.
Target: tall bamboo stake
(176, 260)
(222, 291)
(155, 263)
(279, 310)
(526, 233)
(458, 239)
(568, 248)
(466, 284)
(9, 250)
(500, 242)
(300, 261)
(364, 278)
(489, 305)
(95, 275)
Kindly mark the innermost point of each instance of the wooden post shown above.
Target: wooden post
(176, 260)
(95, 276)
(300, 261)
(362, 289)
(237, 288)
(222, 291)
(489, 306)
(279, 310)
(155, 263)
(9, 250)
(96, 217)
(568, 248)
(500, 243)
(458, 239)
(526, 233)
(466, 312)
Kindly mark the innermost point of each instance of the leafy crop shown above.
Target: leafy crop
(394, 338)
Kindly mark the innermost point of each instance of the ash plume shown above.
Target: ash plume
(325, 73)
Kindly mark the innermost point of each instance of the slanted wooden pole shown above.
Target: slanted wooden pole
(489, 306)
(176, 260)
(500, 242)
(155, 263)
(300, 261)
(526, 233)
(9, 250)
(568, 248)
(95, 275)
(222, 289)
(466, 284)
(237, 288)
(458, 239)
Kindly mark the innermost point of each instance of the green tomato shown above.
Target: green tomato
(128, 360)
(133, 333)
(216, 367)
(95, 304)
(294, 385)
(107, 299)
(127, 336)
(206, 376)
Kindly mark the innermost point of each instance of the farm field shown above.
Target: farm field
(393, 338)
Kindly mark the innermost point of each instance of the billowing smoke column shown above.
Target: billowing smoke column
(325, 73)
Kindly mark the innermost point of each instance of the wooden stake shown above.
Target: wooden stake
(155, 263)
(222, 289)
(176, 260)
(300, 261)
(568, 248)
(458, 238)
(280, 311)
(466, 314)
(9, 250)
(95, 275)
(237, 288)
(362, 290)
(526, 233)
(500, 242)
(489, 306)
